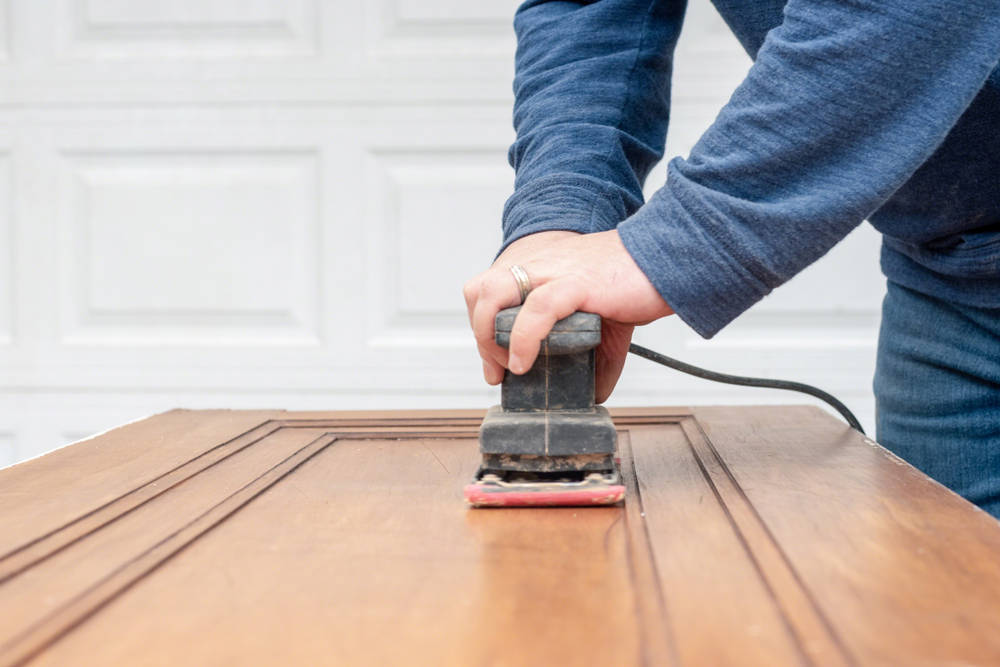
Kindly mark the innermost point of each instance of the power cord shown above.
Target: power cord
(748, 382)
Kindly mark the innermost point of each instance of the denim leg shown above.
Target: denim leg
(937, 391)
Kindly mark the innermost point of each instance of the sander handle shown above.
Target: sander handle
(577, 333)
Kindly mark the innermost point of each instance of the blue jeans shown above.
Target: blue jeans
(937, 391)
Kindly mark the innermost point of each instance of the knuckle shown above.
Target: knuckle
(487, 279)
(485, 340)
(489, 285)
(540, 301)
(471, 290)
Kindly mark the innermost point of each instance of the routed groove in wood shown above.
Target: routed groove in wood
(749, 536)
(111, 578)
(812, 631)
(46, 545)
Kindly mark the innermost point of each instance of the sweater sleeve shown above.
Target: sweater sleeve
(591, 107)
(844, 102)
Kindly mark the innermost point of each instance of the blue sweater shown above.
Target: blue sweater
(887, 110)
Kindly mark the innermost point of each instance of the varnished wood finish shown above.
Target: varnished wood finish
(749, 536)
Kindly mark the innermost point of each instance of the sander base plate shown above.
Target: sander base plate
(520, 489)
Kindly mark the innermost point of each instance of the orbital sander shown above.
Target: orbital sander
(548, 443)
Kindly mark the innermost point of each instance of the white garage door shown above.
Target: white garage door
(274, 203)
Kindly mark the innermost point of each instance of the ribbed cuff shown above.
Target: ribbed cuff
(698, 279)
(565, 202)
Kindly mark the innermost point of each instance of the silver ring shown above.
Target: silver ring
(523, 283)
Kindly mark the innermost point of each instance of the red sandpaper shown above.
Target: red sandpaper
(482, 495)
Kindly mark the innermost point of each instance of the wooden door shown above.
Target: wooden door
(749, 536)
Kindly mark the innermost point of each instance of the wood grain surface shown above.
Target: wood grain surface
(749, 536)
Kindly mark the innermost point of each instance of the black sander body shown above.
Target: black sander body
(548, 443)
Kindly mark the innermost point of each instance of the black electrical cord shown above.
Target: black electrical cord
(748, 382)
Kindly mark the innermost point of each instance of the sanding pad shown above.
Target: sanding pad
(490, 490)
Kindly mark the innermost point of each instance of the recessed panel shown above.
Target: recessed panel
(194, 28)
(433, 27)
(441, 227)
(454, 11)
(167, 244)
(152, 13)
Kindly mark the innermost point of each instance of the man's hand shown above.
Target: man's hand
(568, 272)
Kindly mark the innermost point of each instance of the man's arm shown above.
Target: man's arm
(843, 104)
(592, 95)
(592, 101)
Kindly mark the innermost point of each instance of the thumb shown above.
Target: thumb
(610, 358)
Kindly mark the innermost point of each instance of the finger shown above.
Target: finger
(496, 357)
(497, 290)
(470, 291)
(492, 371)
(489, 301)
(495, 360)
(545, 306)
(610, 358)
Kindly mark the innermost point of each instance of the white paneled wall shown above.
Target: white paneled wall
(274, 204)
